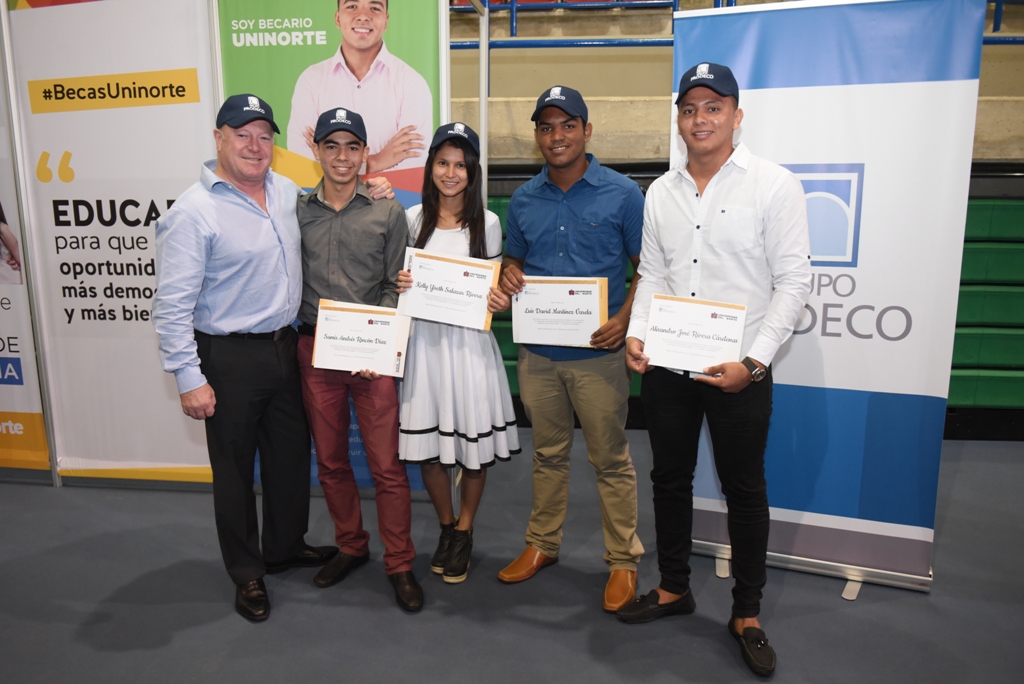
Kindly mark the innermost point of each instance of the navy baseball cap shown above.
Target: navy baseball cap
(714, 76)
(568, 100)
(238, 110)
(339, 120)
(456, 130)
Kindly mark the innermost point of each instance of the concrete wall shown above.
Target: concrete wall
(628, 90)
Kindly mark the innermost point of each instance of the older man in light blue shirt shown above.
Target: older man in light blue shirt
(227, 266)
(229, 282)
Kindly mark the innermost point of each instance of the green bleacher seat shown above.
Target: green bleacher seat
(995, 219)
(503, 334)
(992, 305)
(986, 389)
(634, 385)
(499, 205)
(993, 262)
(513, 378)
(988, 348)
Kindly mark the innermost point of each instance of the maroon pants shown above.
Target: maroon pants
(325, 394)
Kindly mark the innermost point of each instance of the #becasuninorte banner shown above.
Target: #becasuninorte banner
(288, 53)
(872, 105)
(23, 441)
(116, 114)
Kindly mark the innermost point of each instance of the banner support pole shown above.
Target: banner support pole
(26, 259)
(483, 10)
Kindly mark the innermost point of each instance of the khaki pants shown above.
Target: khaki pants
(598, 389)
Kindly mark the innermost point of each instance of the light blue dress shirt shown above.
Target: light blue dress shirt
(224, 266)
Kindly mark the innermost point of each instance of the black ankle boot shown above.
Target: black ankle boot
(457, 568)
(443, 548)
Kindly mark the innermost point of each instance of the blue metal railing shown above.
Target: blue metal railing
(514, 7)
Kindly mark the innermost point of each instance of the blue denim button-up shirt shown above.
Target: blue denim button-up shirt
(590, 231)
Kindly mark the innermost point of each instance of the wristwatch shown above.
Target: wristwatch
(756, 372)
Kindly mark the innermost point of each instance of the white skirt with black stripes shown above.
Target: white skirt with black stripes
(456, 404)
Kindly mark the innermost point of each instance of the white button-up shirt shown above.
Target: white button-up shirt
(390, 97)
(744, 241)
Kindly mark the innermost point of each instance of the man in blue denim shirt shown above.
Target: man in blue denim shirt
(578, 219)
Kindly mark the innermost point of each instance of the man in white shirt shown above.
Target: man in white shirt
(729, 227)
(362, 75)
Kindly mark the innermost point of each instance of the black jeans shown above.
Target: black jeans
(675, 407)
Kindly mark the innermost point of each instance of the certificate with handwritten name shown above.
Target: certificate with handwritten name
(353, 337)
(559, 311)
(692, 334)
(449, 289)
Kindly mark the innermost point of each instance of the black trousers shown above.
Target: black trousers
(259, 406)
(675, 407)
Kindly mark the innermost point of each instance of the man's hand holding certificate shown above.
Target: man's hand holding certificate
(449, 289)
(692, 334)
(559, 311)
(355, 337)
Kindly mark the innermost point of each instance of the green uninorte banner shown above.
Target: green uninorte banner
(287, 52)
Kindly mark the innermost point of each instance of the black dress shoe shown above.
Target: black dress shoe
(646, 608)
(309, 557)
(408, 592)
(757, 652)
(338, 568)
(251, 601)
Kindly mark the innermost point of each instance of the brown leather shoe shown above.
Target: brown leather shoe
(526, 566)
(620, 590)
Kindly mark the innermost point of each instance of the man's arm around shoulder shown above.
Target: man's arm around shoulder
(395, 242)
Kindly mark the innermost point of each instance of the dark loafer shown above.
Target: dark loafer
(646, 608)
(251, 601)
(408, 592)
(309, 557)
(757, 652)
(338, 568)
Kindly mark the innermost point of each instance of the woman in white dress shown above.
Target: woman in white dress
(456, 405)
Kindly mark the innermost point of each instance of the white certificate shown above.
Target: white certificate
(352, 337)
(559, 311)
(449, 289)
(692, 334)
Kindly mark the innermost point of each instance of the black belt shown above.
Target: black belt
(307, 329)
(276, 336)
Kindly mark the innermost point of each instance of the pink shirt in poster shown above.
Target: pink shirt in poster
(390, 97)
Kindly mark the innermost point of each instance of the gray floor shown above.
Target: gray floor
(120, 585)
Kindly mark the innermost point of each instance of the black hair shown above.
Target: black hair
(473, 212)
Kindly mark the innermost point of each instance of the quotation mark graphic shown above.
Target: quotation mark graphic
(64, 170)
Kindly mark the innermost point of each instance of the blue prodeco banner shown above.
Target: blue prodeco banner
(872, 106)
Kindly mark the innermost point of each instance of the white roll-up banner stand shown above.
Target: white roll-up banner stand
(114, 123)
(23, 441)
(872, 105)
